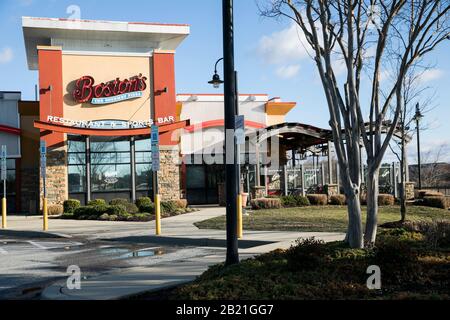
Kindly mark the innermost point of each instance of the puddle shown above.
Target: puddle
(123, 253)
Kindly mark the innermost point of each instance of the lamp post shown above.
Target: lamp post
(216, 81)
(417, 117)
(231, 165)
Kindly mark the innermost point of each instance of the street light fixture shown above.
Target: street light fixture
(417, 117)
(232, 176)
(216, 81)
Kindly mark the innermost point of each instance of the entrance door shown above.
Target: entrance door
(202, 183)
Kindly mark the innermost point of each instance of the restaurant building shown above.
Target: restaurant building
(102, 84)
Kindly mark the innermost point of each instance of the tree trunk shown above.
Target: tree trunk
(354, 235)
(403, 180)
(372, 208)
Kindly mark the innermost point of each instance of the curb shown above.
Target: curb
(34, 234)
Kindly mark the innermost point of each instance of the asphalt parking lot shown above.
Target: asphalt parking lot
(28, 265)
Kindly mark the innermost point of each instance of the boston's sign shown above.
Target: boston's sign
(86, 91)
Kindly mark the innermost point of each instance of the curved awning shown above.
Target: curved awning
(295, 135)
(51, 127)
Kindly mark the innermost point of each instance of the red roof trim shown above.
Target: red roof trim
(220, 123)
(107, 132)
(10, 130)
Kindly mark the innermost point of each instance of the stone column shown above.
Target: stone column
(56, 177)
(169, 174)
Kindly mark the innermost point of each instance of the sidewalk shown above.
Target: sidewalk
(178, 230)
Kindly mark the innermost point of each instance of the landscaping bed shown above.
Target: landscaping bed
(319, 218)
(122, 210)
(413, 264)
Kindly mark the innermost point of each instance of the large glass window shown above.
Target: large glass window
(110, 164)
(76, 158)
(144, 174)
(110, 159)
(10, 177)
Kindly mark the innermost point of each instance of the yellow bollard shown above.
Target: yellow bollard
(4, 223)
(239, 207)
(158, 214)
(45, 214)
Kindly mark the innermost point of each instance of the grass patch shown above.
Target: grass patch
(320, 218)
(410, 269)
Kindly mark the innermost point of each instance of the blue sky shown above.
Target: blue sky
(268, 56)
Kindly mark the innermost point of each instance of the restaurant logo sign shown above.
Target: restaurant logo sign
(86, 91)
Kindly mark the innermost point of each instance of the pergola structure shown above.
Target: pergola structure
(298, 138)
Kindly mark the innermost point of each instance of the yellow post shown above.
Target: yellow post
(158, 214)
(4, 223)
(239, 207)
(45, 213)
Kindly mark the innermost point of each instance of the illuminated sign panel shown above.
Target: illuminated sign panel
(111, 92)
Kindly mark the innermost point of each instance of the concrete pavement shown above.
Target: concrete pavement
(164, 271)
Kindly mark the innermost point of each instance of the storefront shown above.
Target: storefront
(101, 86)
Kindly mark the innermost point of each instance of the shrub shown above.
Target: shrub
(266, 203)
(143, 201)
(294, 201)
(306, 254)
(67, 215)
(429, 193)
(90, 212)
(70, 205)
(55, 210)
(113, 217)
(82, 212)
(129, 207)
(386, 199)
(99, 209)
(116, 210)
(302, 201)
(181, 203)
(125, 217)
(97, 202)
(435, 202)
(168, 206)
(288, 201)
(142, 217)
(338, 200)
(391, 254)
(317, 199)
(150, 208)
(104, 217)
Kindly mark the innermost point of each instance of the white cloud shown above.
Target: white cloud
(283, 46)
(6, 55)
(288, 71)
(431, 74)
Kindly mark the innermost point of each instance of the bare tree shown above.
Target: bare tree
(395, 29)
(414, 98)
(435, 171)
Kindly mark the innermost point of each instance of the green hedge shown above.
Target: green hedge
(130, 207)
(143, 203)
(97, 202)
(294, 201)
(70, 205)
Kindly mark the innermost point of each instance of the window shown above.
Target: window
(110, 164)
(144, 174)
(10, 177)
(76, 160)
